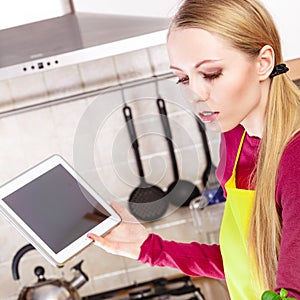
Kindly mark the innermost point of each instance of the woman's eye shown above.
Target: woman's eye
(184, 80)
(212, 76)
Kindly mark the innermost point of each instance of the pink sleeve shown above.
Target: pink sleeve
(193, 259)
(288, 202)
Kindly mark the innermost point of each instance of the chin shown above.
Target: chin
(224, 127)
(214, 127)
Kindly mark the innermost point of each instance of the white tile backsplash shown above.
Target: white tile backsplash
(63, 82)
(36, 123)
(10, 241)
(142, 93)
(91, 135)
(12, 158)
(158, 56)
(28, 90)
(113, 182)
(6, 102)
(98, 74)
(66, 117)
(133, 65)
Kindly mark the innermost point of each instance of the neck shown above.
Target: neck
(254, 122)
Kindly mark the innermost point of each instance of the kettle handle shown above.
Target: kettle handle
(80, 277)
(16, 260)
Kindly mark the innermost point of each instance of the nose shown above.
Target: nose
(199, 89)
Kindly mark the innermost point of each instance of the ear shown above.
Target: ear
(265, 62)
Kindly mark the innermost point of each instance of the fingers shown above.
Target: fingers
(106, 245)
(93, 236)
(98, 240)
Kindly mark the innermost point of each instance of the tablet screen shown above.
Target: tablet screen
(57, 208)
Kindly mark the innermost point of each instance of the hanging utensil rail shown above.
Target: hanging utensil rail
(94, 93)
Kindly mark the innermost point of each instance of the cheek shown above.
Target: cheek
(239, 90)
(235, 98)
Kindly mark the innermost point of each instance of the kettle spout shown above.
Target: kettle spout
(80, 278)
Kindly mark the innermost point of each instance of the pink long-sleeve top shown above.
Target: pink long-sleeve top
(195, 259)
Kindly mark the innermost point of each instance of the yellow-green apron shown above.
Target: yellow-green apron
(233, 240)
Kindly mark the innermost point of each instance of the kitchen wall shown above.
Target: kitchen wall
(30, 136)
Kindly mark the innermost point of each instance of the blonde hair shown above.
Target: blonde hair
(248, 26)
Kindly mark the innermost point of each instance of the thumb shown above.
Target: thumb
(99, 241)
(96, 238)
(93, 236)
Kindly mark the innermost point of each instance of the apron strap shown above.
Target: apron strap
(231, 180)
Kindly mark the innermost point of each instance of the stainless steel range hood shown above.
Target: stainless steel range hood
(74, 38)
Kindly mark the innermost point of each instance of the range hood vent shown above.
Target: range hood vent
(74, 38)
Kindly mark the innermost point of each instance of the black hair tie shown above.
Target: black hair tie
(279, 69)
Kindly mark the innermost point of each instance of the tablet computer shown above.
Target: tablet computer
(54, 208)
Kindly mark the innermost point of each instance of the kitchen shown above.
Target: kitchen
(53, 128)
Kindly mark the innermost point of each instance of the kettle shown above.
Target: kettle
(46, 289)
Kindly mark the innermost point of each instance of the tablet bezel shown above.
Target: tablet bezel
(60, 258)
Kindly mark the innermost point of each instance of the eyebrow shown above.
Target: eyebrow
(197, 65)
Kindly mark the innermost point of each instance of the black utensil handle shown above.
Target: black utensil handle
(16, 260)
(130, 126)
(163, 116)
(168, 135)
(207, 170)
(133, 138)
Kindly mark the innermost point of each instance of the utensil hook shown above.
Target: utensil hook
(157, 87)
(123, 95)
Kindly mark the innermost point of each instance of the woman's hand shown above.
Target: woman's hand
(125, 239)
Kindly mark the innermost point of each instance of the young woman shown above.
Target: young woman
(228, 52)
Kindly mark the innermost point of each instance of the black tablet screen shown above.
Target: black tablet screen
(57, 208)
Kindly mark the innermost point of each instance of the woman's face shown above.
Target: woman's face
(224, 80)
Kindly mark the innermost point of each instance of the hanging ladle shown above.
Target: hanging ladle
(180, 192)
(147, 202)
(209, 178)
(211, 186)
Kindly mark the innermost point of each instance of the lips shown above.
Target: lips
(208, 116)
